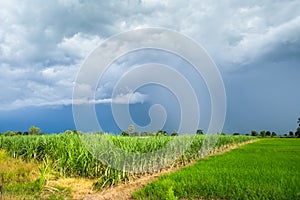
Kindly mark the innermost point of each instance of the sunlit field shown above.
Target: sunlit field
(65, 155)
(267, 169)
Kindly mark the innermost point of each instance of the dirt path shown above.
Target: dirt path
(124, 191)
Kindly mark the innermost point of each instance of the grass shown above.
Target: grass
(67, 154)
(22, 180)
(267, 169)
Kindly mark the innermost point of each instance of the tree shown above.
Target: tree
(174, 133)
(236, 134)
(159, 132)
(273, 134)
(254, 133)
(131, 129)
(125, 133)
(10, 133)
(268, 133)
(19, 133)
(199, 132)
(68, 132)
(34, 130)
(297, 133)
(165, 133)
(291, 133)
(263, 133)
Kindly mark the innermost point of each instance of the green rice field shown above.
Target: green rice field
(267, 169)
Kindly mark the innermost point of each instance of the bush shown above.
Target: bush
(174, 133)
(125, 133)
(33, 130)
(199, 132)
(263, 133)
(297, 133)
(254, 133)
(236, 134)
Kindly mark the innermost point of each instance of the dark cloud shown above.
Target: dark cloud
(43, 43)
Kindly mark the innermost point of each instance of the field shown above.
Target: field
(267, 169)
(51, 157)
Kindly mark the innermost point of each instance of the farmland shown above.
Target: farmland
(65, 155)
(267, 169)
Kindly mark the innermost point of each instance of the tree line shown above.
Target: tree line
(33, 130)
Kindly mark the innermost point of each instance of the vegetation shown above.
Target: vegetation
(254, 133)
(174, 133)
(263, 133)
(267, 169)
(26, 159)
(25, 180)
(199, 132)
(297, 133)
(34, 130)
(69, 157)
(273, 134)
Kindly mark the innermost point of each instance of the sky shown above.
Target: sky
(254, 44)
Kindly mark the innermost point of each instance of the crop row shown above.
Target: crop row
(113, 158)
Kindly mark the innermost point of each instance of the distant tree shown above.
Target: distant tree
(273, 134)
(162, 132)
(159, 132)
(263, 133)
(297, 133)
(10, 133)
(151, 133)
(174, 133)
(247, 134)
(254, 133)
(268, 133)
(33, 130)
(199, 132)
(68, 132)
(236, 134)
(19, 133)
(165, 133)
(291, 133)
(26, 133)
(131, 129)
(144, 134)
(125, 133)
(135, 133)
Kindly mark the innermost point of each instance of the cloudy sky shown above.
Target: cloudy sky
(255, 44)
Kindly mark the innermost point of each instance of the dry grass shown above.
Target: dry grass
(16, 170)
(79, 186)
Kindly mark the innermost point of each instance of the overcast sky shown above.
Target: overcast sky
(255, 44)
